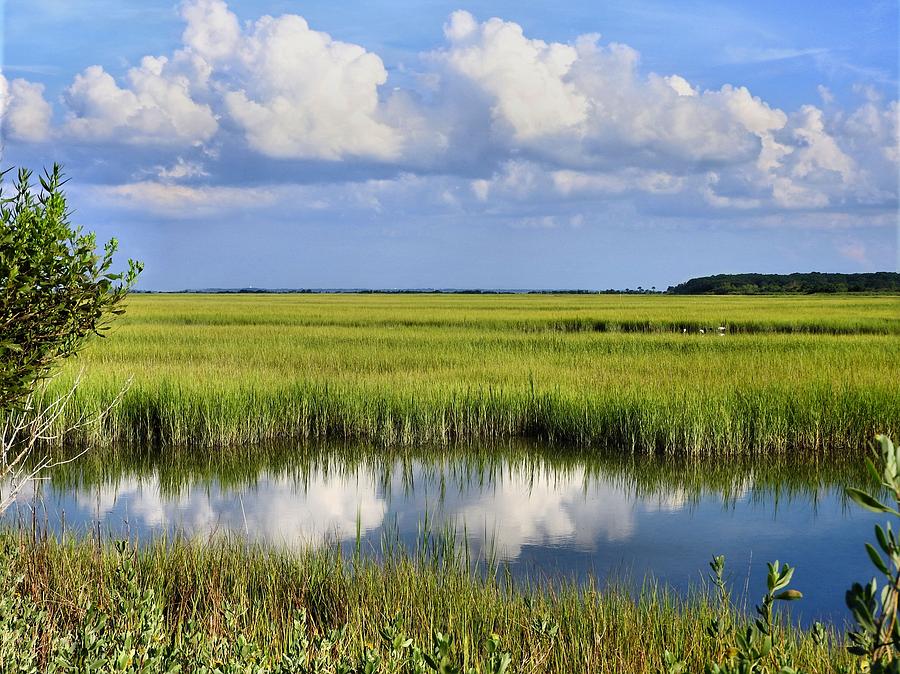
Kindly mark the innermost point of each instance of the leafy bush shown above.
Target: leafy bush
(56, 289)
(877, 639)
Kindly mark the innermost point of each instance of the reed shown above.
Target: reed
(789, 374)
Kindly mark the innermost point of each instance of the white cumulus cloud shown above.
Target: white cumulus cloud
(156, 107)
(25, 113)
(294, 91)
(512, 118)
(526, 79)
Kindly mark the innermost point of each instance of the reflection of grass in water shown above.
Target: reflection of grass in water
(464, 467)
(792, 373)
(600, 629)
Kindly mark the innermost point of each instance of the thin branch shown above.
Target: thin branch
(36, 424)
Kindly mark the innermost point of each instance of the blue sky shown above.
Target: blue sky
(432, 144)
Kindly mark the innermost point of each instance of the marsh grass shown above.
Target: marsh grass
(790, 374)
(231, 588)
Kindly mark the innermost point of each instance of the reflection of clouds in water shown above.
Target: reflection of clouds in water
(22, 499)
(540, 508)
(549, 521)
(136, 498)
(25, 490)
(505, 510)
(276, 509)
(669, 502)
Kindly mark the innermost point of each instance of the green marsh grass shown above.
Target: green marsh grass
(790, 374)
(229, 588)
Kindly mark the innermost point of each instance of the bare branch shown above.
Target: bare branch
(34, 427)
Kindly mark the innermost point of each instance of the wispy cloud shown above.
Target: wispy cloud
(835, 62)
(855, 251)
(30, 69)
(737, 55)
(181, 201)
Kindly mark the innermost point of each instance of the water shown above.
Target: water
(547, 517)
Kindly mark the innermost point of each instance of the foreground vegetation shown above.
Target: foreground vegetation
(626, 372)
(73, 606)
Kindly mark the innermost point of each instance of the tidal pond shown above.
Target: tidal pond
(543, 514)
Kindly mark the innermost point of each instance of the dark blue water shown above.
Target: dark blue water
(544, 522)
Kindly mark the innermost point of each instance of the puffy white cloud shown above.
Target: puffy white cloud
(870, 135)
(525, 79)
(294, 91)
(625, 132)
(871, 125)
(816, 149)
(680, 85)
(758, 118)
(510, 117)
(24, 112)
(837, 160)
(587, 104)
(587, 109)
(212, 31)
(157, 107)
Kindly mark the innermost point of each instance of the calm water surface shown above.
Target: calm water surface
(544, 517)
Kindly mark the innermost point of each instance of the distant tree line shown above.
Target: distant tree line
(813, 282)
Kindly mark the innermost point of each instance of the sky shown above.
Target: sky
(603, 144)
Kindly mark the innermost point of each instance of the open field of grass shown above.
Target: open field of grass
(237, 607)
(791, 373)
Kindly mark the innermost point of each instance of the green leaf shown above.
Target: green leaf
(883, 541)
(869, 502)
(873, 471)
(877, 560)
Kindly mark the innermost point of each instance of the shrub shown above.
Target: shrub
(56, 289)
